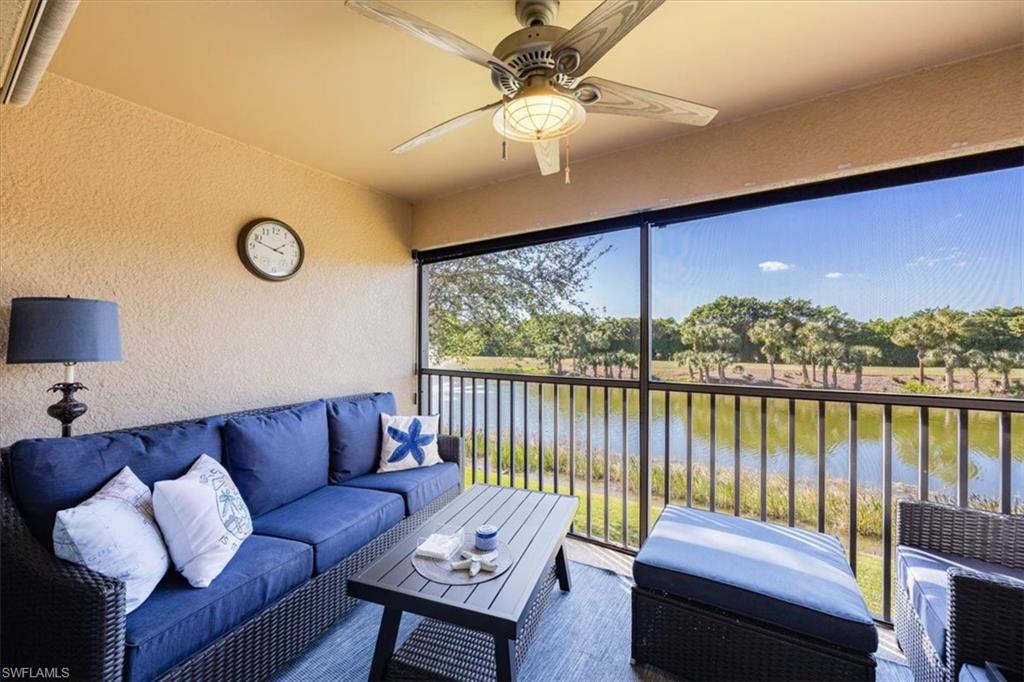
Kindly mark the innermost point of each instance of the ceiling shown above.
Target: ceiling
(316, 83)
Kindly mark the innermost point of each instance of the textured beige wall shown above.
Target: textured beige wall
(12, 16)
(105, 199)
(947, 111)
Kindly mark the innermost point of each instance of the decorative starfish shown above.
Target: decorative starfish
(410, 443)
(475, 562)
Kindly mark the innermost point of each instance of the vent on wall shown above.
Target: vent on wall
(41, 30)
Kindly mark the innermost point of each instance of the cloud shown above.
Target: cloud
(942, 256)
(775, 266)
(834, 275)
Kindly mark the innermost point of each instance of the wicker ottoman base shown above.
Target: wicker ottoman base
(699, 643)
(437, 650)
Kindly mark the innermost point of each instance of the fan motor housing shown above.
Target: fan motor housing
(528, 52)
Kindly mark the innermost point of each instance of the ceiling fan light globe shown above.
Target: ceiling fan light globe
(539, 115)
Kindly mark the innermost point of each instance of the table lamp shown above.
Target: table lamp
(65, 330)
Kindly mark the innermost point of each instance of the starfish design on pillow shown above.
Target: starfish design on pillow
(410, 443)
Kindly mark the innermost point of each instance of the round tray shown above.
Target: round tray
(439, 570)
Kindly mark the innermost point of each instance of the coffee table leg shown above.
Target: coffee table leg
(386, 637)
(562, 570)
(505, 657)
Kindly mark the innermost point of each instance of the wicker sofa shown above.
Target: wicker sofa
(960, 591)
(67, 619)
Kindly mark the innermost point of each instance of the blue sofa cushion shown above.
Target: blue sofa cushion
(922, 574)
(279, 456)
(786, 577)
(335, 520)
(418, 487)
(355, 432)
(178, 620)
(50, 474)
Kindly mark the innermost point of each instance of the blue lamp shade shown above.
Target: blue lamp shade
(54, 330)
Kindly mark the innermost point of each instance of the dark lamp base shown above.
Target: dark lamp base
(67, 409)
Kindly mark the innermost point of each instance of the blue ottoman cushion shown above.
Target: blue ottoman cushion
(923, 575)
(418, 487)
(178, 620)
(279, 456)
(335, 520)
(51, 474)
(790, 578)
(355, 433)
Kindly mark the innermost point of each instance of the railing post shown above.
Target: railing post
(791, 465)
(887, 512)
(821, 466)
(1005, 463)
(764, 458)
(962, 456)
(645, 379)
(922, 453)
(853, 487)
(736, 455)
(689, 448)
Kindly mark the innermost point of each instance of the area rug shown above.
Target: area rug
(583, 635)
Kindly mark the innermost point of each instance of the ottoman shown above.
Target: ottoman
(719, 597)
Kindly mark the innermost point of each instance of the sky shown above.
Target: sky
(957, 242)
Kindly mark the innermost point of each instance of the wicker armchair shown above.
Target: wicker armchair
(61, 616)
(985, 611)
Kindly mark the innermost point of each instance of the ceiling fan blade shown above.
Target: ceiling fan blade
(446, 127)
(600, 30)
(626, 100)
(428, 32)
(547, 156)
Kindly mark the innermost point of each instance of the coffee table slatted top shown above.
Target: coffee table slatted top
(533, 524)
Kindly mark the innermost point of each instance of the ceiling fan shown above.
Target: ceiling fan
(540, 71)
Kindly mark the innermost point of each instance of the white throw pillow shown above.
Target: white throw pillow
(203, 518)
(114, 533)
(408, 442)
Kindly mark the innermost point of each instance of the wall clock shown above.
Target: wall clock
(270, 249)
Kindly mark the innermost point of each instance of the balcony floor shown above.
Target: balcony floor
(583, 635)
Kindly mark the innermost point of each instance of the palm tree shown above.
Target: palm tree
(859, 356)
(1005, 361)
(773, 337)
(798, 355)
(947, 355)
(977, 362)
(918, 332)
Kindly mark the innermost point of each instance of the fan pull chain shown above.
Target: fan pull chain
(568, 177)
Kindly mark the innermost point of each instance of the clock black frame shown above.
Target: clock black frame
(244, 255)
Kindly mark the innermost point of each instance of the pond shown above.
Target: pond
(983, 430)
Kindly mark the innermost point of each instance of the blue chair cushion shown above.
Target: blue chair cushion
(335, 520)
(418, 487)
(353, 425)
(279, 456)
(51, 474)
(922, 574)
(788, 578)
(178, 620)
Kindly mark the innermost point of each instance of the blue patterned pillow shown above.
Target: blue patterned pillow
(408, 442)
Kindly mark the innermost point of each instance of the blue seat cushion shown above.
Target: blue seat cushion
(922, 574)
(278, 456)
(353, 425)
(178, 620)
(418, 487)
(789, 578)
(335, 520)
(51, 474)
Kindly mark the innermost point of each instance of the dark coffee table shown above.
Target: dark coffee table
(471, 631)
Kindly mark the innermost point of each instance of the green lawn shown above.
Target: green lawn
(869, 562)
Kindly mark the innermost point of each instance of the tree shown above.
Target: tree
(736, 313)
(917, 331)
(665, 339)
(947, 355)
(859, 356)
(1004, 362)
(715, 342)
(482, 299)
(773, 337)
(976, 361)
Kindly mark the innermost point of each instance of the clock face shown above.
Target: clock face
(270, 249)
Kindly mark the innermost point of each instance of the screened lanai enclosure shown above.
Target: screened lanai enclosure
(804, 356)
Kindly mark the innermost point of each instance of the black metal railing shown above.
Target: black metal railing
(748, 450)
